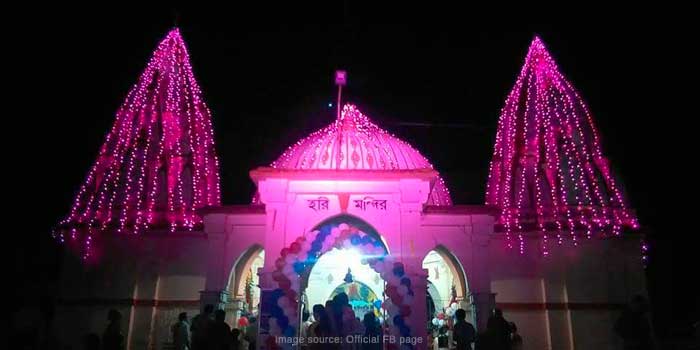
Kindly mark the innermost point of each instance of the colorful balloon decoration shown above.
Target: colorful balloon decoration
(303, 253)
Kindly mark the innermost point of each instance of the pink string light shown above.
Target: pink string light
(548, 173)
(158, 163)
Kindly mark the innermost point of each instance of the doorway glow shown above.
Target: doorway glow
(330, 270)
(244, 284)
(442, 280)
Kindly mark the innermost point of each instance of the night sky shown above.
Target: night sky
(436, 78)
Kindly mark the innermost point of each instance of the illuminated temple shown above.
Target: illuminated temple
(350, 208)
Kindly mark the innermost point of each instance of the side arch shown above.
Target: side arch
(446, 291)
(455, 266)
(236, 281)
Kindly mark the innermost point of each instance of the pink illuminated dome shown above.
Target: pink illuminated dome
(353, 142)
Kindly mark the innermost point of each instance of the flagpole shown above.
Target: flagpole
(340, 80)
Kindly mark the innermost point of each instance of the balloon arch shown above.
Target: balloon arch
(300, 256)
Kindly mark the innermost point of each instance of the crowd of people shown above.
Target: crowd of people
(206, 331)
(499, 334)
(337, 319)
(209, 331)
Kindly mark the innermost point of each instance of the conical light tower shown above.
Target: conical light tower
(548, 172)
(158, 163)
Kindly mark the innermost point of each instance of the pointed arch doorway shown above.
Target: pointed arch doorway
(329, 274)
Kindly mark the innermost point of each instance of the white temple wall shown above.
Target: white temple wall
(148, 279)
(464, 233)
(566, 301)
(571, 299)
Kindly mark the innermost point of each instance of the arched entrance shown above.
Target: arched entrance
(281, 307)
(447, 287)
(342, 269)
(243, 285)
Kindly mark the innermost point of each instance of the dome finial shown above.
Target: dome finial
(341, 78)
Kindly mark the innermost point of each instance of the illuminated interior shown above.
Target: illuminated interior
(329, 273)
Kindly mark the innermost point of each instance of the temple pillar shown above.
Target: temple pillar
(234, 307)
(558, 319)
(215, 291)
(413, 248)
(217, 271)
(273, 192)
(143, 310)
(483, 304)
(483, 300)
(418, 319)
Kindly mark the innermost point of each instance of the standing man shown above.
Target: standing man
(200, 328)
(463, 332)
(181, 332)
(499, 330)
(112, 338)
(220, 332)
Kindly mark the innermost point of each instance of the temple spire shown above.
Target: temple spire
(548, 172)
(158, 163)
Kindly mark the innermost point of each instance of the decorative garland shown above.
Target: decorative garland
(303, 253)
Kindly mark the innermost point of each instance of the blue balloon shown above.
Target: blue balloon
(378, 303)
(283, 321)
(324, 231)
(355, 239)
(398, 271)
(311, 259)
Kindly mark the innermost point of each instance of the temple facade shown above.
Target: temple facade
(351, 209)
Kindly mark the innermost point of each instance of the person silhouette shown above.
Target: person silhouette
(112, 338)
(304, 332)
(634, 327)
(235, 339)
(181, 333)
(516, 341)
(251, 333)
(498, 330)
(220, 332)
(443, 338)
(321, 326)
(200, 328)
(372, 332)
(463, 332)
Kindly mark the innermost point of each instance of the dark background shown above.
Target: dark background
(267, 75)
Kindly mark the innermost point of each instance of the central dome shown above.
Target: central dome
(353, 142)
